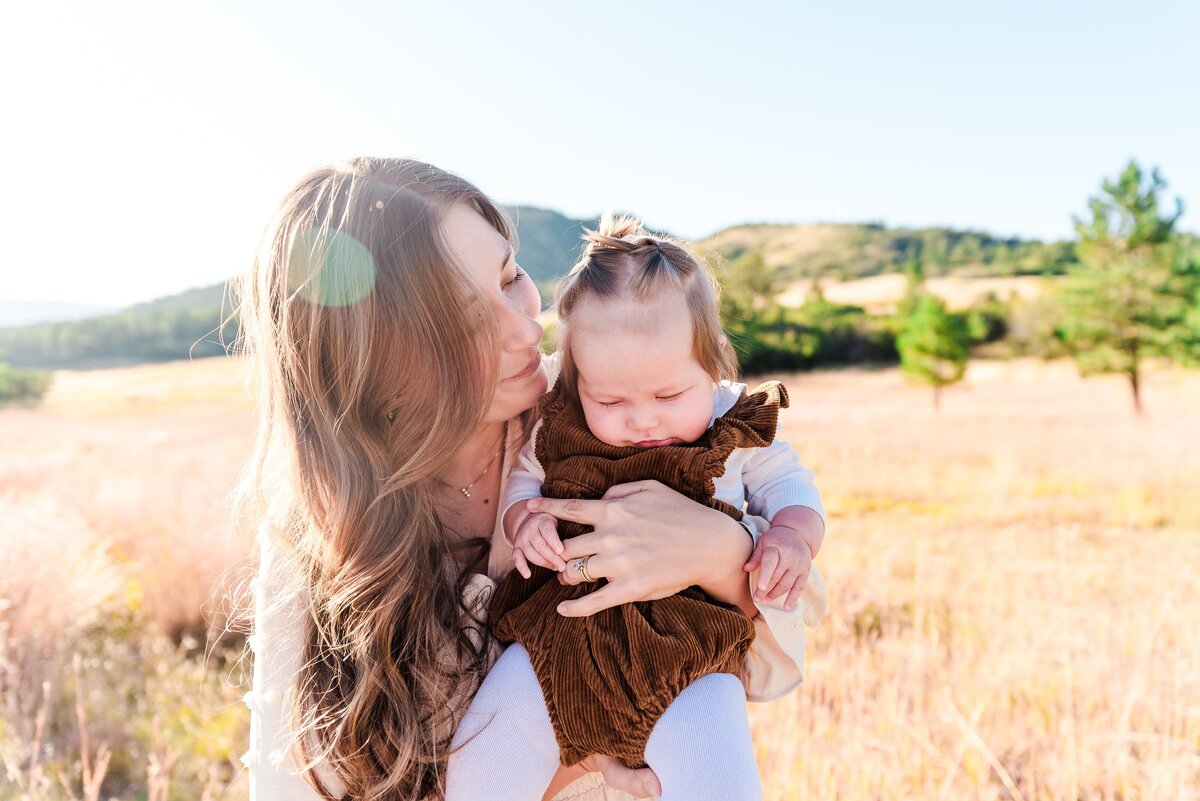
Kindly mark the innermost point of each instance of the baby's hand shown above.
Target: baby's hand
(537, 542)
(785, 560)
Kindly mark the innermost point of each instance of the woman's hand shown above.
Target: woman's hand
(651, 542)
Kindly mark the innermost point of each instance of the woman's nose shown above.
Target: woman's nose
(520, 331)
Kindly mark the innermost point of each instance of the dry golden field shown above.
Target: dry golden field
(1014, 615)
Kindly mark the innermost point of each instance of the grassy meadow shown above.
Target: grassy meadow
(1012, 579)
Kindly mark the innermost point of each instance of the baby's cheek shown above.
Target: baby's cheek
(601, 423)
(698, 417)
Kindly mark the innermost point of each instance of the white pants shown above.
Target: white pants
(505, 748)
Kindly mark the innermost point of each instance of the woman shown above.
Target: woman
(394, 346)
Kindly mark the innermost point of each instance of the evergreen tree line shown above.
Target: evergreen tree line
(130, 337)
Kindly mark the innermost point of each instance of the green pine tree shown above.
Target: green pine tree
(933, 345)
(1129, 296)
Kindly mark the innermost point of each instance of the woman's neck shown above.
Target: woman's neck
(481, 447)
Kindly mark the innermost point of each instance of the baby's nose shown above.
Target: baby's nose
(642, 421)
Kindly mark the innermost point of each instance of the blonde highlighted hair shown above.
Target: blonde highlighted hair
(623, 260)
(372, 365)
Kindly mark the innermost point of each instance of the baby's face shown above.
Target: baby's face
(639, 381)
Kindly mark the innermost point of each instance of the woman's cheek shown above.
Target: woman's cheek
(531, 300)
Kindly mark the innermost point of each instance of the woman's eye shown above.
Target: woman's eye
(517, 276)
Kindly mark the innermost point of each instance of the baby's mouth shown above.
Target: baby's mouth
(654, 443)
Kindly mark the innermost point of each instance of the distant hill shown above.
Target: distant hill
(550, 243)
(17, 312)
(848, 251)
(186, 324)
(200, 297)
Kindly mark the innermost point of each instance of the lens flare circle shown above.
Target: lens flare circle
(330, 268)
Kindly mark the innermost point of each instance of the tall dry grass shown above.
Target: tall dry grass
(1013, 612)
(115, 551)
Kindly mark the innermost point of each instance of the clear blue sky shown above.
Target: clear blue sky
(147, 143)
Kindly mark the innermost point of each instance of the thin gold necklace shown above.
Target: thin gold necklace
(466, 491)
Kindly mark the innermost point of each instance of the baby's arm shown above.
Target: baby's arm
(534, 537)
(783, 554)
(781, 489)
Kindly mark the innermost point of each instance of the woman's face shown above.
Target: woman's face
(487, 257)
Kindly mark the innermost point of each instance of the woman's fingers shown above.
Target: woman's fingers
(650, 542)
(595, 569)
(583, 545)
(586, 512)
(608, 596)
(632, 488)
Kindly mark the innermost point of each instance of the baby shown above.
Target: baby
(644, 392)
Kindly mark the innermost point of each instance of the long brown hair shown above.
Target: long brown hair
(372, 363)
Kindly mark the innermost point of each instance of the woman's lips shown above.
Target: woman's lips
(528, 371)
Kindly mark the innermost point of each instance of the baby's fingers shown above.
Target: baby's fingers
(521, 564)
(794, 593)
(548, 527)
(548, 557)
(536, 552)
(755, 558)
(766, 573)
(783, 585)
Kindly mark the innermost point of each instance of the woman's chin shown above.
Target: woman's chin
(511, 401)
(539, 384)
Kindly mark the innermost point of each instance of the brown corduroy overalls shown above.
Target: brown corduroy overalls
(608, 677)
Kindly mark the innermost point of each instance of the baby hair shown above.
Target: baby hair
(621, 260)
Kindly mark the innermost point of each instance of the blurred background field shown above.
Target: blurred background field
(931, 219)
(1011, 552)
(1014, 613)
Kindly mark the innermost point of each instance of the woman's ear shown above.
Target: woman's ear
(722, 342)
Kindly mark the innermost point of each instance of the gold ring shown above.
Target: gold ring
(581, 565)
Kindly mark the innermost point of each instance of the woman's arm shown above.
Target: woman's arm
(727, 581)
(651, 542)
